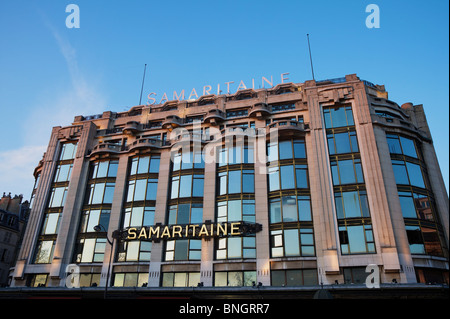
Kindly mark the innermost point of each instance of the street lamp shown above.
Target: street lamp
(98, 229)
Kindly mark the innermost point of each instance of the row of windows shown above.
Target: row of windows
(416, 202)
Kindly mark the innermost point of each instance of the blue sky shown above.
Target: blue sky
(50, 73)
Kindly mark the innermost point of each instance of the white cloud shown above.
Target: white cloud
(16, 169)
(59, 109)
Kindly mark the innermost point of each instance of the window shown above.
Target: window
(63, 172)
(68, 151)
(58, 196)
(134, 251)
(234, 278)
(187, 213)
(338, 117)
(93, 217)
(236, 247)
(294, 277)
(408, 173)
(355, 275)
(51, 223)
(236, 210)
(290, 209)
(292, 242)
(401, 145)
(287, 149)
(346, 171)
(180, 279)
(44, 252)
(183, 249)
(356, 239)
(130, 279)
(351, 204)
(423, 240)
(236, 181)
(104, 169)
(342, 143)
(90, 250)
(239, 154)
(89, 280)
(145, 164)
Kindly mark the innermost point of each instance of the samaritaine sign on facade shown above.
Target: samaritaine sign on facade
(206, 230)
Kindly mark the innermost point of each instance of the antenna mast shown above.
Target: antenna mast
(142, 88)
(310, 58)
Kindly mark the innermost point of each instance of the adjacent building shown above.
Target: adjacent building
(13, 218)
(313, 182)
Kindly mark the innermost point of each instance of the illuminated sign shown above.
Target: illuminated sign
(191, 231)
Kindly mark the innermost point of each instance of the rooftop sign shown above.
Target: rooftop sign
(209, 89)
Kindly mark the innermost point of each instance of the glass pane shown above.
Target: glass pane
(94, 216)
(197, 190)
(415, 240)
(98, 193)
(304, 208)
(291, 243)
(183, 213)
(301, 176)
(234, 210)
(347, 172)
(109, 193)
(186, 186)
(299, 149)
(310, 277)
(88, 250)
(339, 206)
(139, 192)
(136, 216)
(235, 278)
(408, 207)
(149, 216)
(275, 211)
(394, 144)
(220, 279)
(248, 182)
(431, 241)
(342, 143)
(180, 279)
(408, 147)
(285, 149)
(175, 184)
(234, 247)
(167, 280)
(154, 164)
(223, 183)
(415, 175)
(152, 187)
(194, 279)
(401, 177)
(278, 278)
(351, 204)
(64, 173)
(289, 208)
(423, 206)
(294, 277)
(187, 160)
(287, 174)
(181, 249)
(196, 213)
(356, 239)
(274, 180)
(132, 250)
(102, 169)
(272, 152)
(234, 182)
(143, 165)
(113, 166)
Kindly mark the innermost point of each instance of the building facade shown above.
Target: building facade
(13, 219)
(315, 181)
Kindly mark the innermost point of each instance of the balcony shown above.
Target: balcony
(131, 128)
(171, 122)
(214, 117)
(288, 127)
(260, 110)
(145, 143)
(106, 148)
